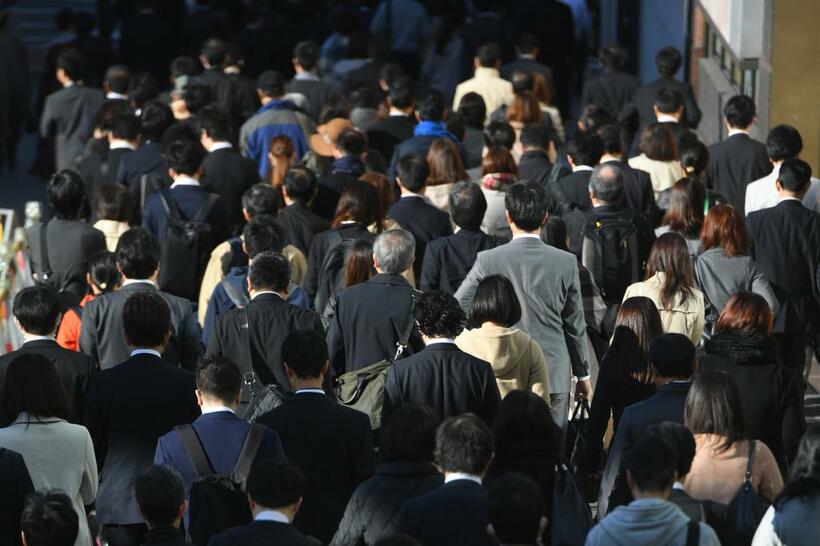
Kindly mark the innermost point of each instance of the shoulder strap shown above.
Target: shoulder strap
(692, 533)
(249, 449)
(408, 326)
(238, 298)
(193, 448)
(170, 206)
(143, 190)
(45, 265)
(205, 209)
(751, 462)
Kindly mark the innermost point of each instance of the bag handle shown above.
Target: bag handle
(193, 448)
(408, 326)
(750, 463)
(249, 449)
(692, 533)
(45, 265)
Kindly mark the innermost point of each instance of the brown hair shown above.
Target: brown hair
(541, 90)
(724, 227)
(359, 262)
(281, 148)
(384, 188)
(525, 109)
(498, 160)
(745, 311)
(638, 324)
(445, 163)
(670, 256)
(658, 143)
(684, 214)
(359, 202)
(33, 386)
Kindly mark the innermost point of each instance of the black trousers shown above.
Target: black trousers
(124, 535)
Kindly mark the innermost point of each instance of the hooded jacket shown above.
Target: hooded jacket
(653, 522)
(517, 361)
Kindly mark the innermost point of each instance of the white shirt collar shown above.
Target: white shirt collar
(121, 145)
(126, 282)
(610, 157)
(462, 476)
(434, 340)
(733, 131)
(259, 293)
(781, 199)
(116, 96)
(486, 72)
(185, 181)
(396, 112)
(306, 76)
(151, 352)
(678, 486)
(582, 168)
(411, 195)
(271, 515)
(666, 118)
(28, 338)
(313, 391)
(214, 409)
(526, 236)
(221, 145)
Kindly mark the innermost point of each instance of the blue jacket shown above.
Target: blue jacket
(220, 302)
(278, 117)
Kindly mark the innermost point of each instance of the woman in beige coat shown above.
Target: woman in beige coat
(517, 360)
(670, 285)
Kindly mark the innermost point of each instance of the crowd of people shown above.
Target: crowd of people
(382, 296)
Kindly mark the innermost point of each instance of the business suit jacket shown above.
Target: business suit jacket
(107, 174)
(101, 334)
(263, 533)
(226, 173)
(638, 193)
(368, 323)
(448, 259)
(612, 90)
(665, 405)
(455, 514)
(445, 378)
(317, 92)
(70, 243)
(312, 426)
(15, 483)
(128, 408)
(271, 319)
(644, 101)
(575, 189)
(75, 370)
(300, 225)
(423, 220)
(222, 435)
(69, 114)
(785, 242)
(547, 283)
(319, 247)
(388, 133)
(189, 199)
(328, 191)
(734, 163)
(534, 166)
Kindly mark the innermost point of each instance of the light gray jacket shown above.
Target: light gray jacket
(548, 287)
(719, 276)
(58, 455)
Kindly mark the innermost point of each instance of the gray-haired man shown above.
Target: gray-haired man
(370, 316)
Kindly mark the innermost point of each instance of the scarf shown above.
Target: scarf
(498, 181)
(348, 165)
(433, 128)
(743, 347)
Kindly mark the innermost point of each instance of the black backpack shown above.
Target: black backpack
(217, 502)
(185, 247)
(332, 271)
(610, 250)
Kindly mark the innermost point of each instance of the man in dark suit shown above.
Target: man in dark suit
(785, 243)
(129, 407)
(413, 213)
(739, 159)
(68, 114)
(37, 313)
(123, 140)
(430, 114)
(448, 259)
(306, 81)
(526, 50)
(535, 164)
(667, 62)
(270, 318)
(385, 135)
(299, 222)
(212, 56)
(137, 256)
(613, 88)
(638, 193)
(59, 249)
(225, 171)
(584, 152)
(426, 378)
(668, 106)
(221, 433)
(276, 491)
(673, 359)
(311, 426)
(455, 514)
(371, 316)
(161, 498)
(348, 147)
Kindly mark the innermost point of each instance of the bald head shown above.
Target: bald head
(606, 185)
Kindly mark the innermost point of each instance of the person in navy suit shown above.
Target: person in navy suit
(457, 513)
(673, 360)
(222, 433)
(413, 213)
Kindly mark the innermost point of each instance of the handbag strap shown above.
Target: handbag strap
(692, 533)
(45, 265)
(750, 463)
(249, 449)
(193, 448)
(408, 326)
